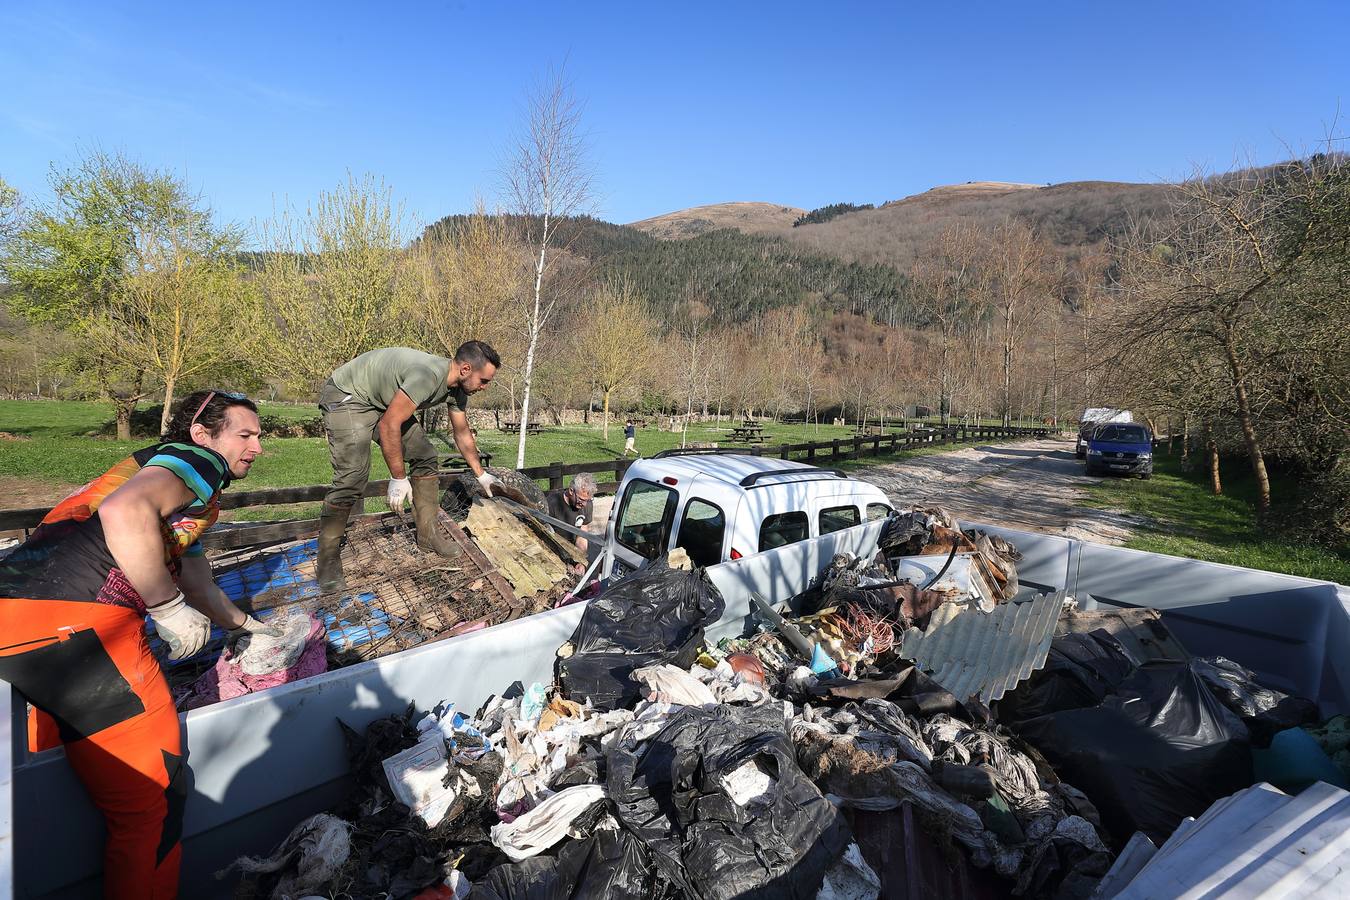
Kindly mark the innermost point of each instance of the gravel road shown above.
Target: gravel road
(1030, 485)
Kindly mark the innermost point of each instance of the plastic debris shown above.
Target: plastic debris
(547, 823)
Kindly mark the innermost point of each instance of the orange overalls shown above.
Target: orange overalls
(73, 643)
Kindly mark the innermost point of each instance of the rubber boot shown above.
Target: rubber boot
(332, 525)
(426, 496)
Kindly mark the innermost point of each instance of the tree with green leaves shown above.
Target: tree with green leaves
(617, 338)
(128, 259)
(335, 282)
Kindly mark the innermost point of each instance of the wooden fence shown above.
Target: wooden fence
(554, 474)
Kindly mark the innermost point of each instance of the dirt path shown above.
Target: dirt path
(1031, 485)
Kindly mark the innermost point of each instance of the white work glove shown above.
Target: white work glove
(250, 626)
(487, 480)
(180, 626)
(398, 494)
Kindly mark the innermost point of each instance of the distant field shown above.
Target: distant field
(53, 444)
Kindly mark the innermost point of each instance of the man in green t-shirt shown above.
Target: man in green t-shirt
(373, 398)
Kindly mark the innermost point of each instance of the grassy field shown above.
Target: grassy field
(53, 445)
(1185, 519)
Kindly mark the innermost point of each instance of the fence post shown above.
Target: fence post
(555, 476)
(857, 446)
(834, 453)
(811, 452)
(621, 469)
(783, 452)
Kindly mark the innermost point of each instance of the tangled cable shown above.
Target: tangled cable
(861, 628)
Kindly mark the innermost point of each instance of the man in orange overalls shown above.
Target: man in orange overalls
(73, 598)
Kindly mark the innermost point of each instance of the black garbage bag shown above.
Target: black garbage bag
(611, 864)
(1158, 749)
(1080, 670)
(656, 615)
(1265, 711)
(718, 798)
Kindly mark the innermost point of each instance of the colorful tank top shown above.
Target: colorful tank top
(67, 557)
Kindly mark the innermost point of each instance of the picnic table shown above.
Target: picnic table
(530, 427)
(450, 460)
(748, 433)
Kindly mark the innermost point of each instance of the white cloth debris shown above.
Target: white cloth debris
(312, 854)
(669, 684)
(263, 654)
(850, 878)
(547, 823)
(748, 784)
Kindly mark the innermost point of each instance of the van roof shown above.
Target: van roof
(732, 468)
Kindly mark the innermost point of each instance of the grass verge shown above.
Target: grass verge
(1185, 519)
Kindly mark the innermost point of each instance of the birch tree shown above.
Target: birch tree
(547, 178)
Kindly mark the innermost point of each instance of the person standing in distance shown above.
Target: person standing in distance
(374, 398)
(629, 436)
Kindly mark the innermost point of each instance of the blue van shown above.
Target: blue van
(1120, 448)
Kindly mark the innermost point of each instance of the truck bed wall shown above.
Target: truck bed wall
(262, 763)
(1293, 632)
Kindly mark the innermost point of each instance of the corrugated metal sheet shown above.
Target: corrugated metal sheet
(1258, 842)
(972, 653)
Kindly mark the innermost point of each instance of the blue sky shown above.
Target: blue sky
(686, 103)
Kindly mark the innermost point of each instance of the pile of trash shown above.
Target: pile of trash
(660, 765)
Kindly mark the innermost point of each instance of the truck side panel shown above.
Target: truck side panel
(1293, 632)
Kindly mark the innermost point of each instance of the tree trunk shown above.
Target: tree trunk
(536, 326)
(1186, 437)
(1244, 416)
(124, 408)
(1212, 450)
(604, 431)
(168, 404)
(525, 393)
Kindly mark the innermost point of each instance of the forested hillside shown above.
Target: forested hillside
(1070, 217)
(735, 275)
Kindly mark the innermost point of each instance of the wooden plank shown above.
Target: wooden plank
(484, 564)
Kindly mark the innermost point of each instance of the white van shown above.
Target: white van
(723, 506)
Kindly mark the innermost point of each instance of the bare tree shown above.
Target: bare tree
(547, 179)
(469, 279)
(949, 280)
(1018, 278)
(1225, 281)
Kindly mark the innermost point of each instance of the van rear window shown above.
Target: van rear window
(645, 518)
(837, 518)
(701, 532)
(782, 529)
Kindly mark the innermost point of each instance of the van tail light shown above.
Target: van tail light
(735, 554)
(669, 480)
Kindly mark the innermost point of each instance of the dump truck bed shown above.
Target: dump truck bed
(264, 761)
